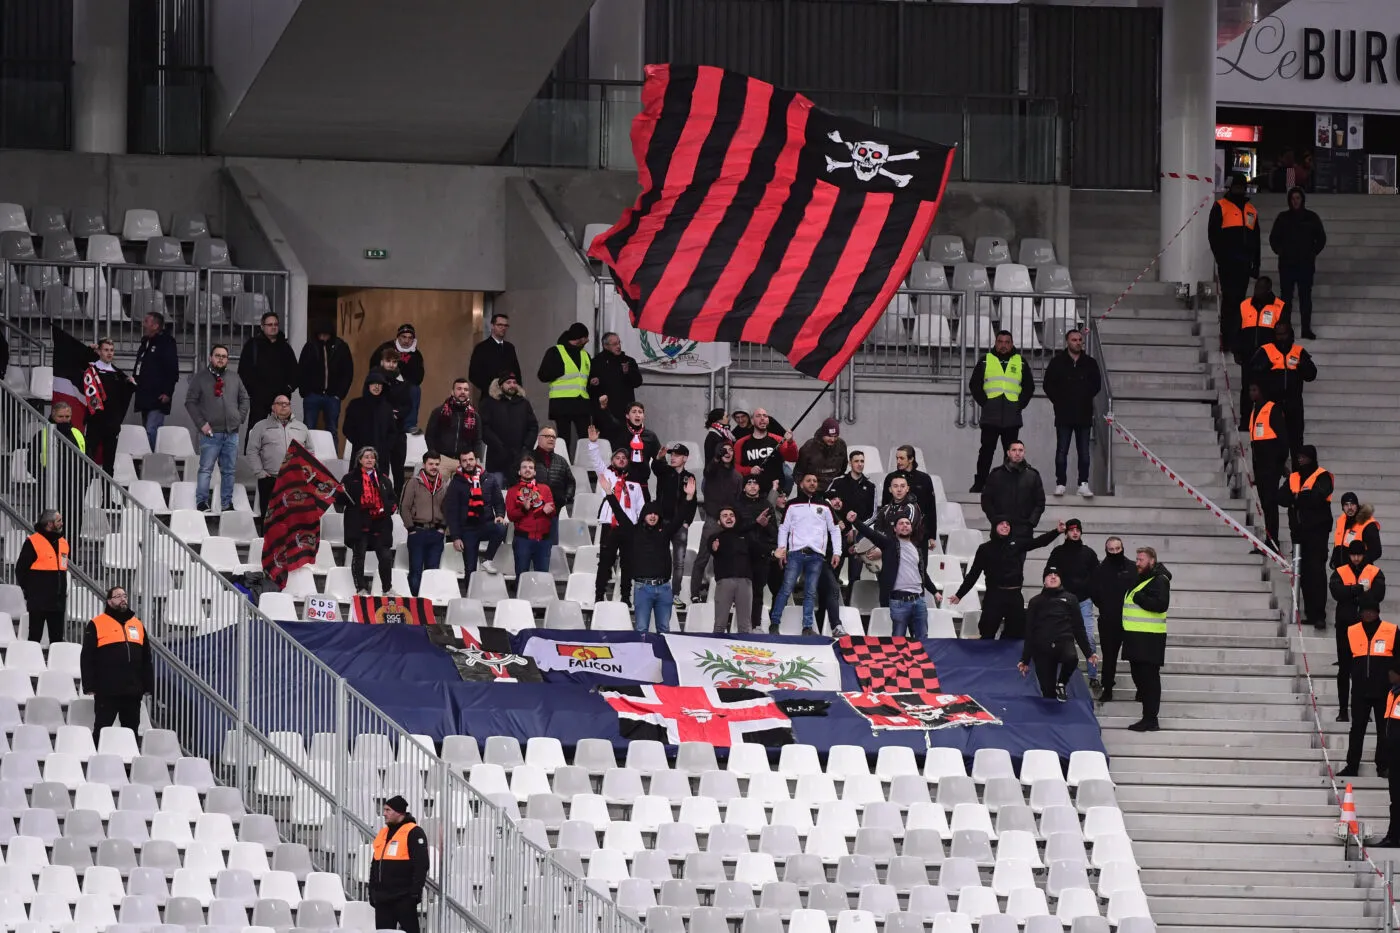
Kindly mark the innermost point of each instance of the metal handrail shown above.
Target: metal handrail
(1103, 404)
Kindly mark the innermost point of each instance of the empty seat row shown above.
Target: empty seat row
(138, 224)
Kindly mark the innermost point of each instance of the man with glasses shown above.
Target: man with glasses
(493, 356)
(269, 367)
(553, 470)
(1108, 584)
(613, 378)
(115, 663)
(268, 443)
(217, 403)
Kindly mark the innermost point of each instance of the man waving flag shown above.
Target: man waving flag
(765, 219)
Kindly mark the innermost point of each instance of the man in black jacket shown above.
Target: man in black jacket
(508, 425)
(759, 518)
(41, 570)
(920, 487)
(1307, 493)
(1268, 450)
(671, 480)
(1233, 231)
(1003, 559)
(455, 426)
(729, 550)
(1356, 523)
(1145, 634)
(475, 511)
(614, 377)
(327, 372)
(1015, 491)
(649, 546)
(1054, 627)
(399, 869)
(405, 347)
(1072, 381)
(268, 368)
(554, 471)
(1357, 583)
(156, 371)
(1297, 237)
(1281, 368)
(1077, 562)
(857, 496)
(1372, 645)
(115, 664)
(1002, 385)
(493, 356)
(632, 435)
(1110, 582)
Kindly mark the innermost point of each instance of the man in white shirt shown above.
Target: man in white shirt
(807, 529)
(614, 538)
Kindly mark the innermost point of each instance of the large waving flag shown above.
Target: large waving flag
(766, 219)
(292, 531)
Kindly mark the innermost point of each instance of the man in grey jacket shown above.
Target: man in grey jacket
(268, 441)
(217, 403)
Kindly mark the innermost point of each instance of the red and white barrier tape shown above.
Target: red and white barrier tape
(1209, 199)
(1196, 494)
(1187, 176)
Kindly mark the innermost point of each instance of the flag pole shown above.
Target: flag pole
(803, 416)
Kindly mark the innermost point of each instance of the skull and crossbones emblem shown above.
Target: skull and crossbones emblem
(868, 159)
(925, 713)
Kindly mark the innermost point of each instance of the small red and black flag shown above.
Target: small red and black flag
(292, 531)
(920, 710)
(889, 663)
(766, 219)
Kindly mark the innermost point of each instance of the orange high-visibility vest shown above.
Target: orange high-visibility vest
(1381, 645)
(111, 632)
(1261, 426)
(1266, 316)
(1279, 361)
(1344, 535)
(1232, 216)
(1392, 709)
(1349, 577)
(1297, 484)
(397, 850)
(45, 555)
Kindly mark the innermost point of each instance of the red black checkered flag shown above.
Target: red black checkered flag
(292, 530)
(889, 663)
(766, 219)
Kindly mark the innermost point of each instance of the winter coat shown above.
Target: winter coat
(268, 368)
(358, 522)
(120, 669)
(370, 421)
(393, 880)
(509, 428)
(857, 494)
(893, 511)
(156, 371)
(921, 488)
(720, 486)
(1156, 596)
(410, 363)
(396, 391)
(1001, 412)
(763, 540)
(1076, 562)
(554, 471)
(224, 413)
(827, 461)
(1003, 560)
(1369, 674)
(456, 507)
(617, 376)
(453, 428)
(1053, 618)
(1371, 537)
(490, 361)
(1016, 493)
(1071, 386)
(327, 368)
(651, 544)
(890, 558)
(1284, 385)
(1297, 236)
(1309, 512)
(670, 486)
(1108, 584)
(44, 590)
(552, 367)
(1352, 599)
(528, 516)
(1233, 247)
(620, 435)
(269, 441)
(419, 506)
(733, 558)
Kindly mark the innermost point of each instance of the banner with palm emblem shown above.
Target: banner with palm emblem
(719, 661)
(656, 352)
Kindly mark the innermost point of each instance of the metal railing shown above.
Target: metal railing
(999, 138)
(299, 742)
(204, 306)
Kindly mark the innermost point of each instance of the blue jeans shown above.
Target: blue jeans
(473, 535)
(531, 555)
(810, 567)
(652, 600)
(410, 418)
(314, 406)
(1086, 609)
(424, 553)
(909, 618)
(153, 420)
(1081, 438)
(223, 448)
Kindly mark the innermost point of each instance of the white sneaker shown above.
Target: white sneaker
(392, 594)
(1085, 491)
(490, 567)
(362, 592)
(1060, 489)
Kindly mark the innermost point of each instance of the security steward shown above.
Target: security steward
(1054, 626)
(1391, 839)
(115, 664)
(1145, 634)
(1259, 315)
(1233, 232)
(565, 368)
(1356, 583)
(399, 869)
(1282, 367)
(1268, 450)
(41, 570)
(1356, 523)
(1372, 644)
(1002, 385)
(1307, 493)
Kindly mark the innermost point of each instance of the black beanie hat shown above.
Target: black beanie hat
(397, 804)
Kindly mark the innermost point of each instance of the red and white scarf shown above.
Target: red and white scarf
(94, 392)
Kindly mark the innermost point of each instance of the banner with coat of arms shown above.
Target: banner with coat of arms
(656, 352)
(726, 662)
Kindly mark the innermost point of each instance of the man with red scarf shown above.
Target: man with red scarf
(421, 510)
(632, 435)
(530, 506)
(405, 344)
(475, 512)
(454, 428)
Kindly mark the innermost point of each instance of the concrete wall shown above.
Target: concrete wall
(242, 36)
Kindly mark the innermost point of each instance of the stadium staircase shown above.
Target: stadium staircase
(1231, 816)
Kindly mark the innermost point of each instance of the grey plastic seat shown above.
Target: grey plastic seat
(224, 912)
(678, 892)
(571, 779)
(1060, 820)
(137, 908)
(1044, 924)
(900, 922)
(39, 823)
(696, 757)
(189, 225)
(705, 867)
(129, 825)
(234, 885)
(226, 800)
(926, 844)
(1015, 817)
(1126, 925)
(271, 913)
(1065, 873)
(762, 920)
(547, 808)
(1101, 925)
(1094, 792)
(249, 308)
(87, 221)
(719, 785)
(673, 785)
(44, 713)
(906, 872)
(708, 920)
(260, 828)
(856, 871)
(118, 854)
(315, 914)
(829, 897)
(780, 841)
(84, 826)
(733, 897)
(186, 911)
(211, 253)
(956, 789)
(50, 796)
(879, 899)
(875, 842)
(665, 918)
(883, 815)
(12, 796)
(75, 853)
(137, 798)
(595, 755)
(578, 835)
(1066, 846)
(46, 220)
(16, 245)
(946, 249)
(1002, 792)
(782, 896)
(161, 854)
(635, 896)
(152, 771)
(654, 866)
(958, 873)
(928, 901)
(60, 247)
(163, 744)
(293, 857)
(149, 882)
(727, 839)
(503, 750)
(973, 844)
(991, 251)
(676, 839)
(909, 789)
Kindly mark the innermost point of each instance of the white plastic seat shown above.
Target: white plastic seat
(12, 218)
(946, 249)
(969, 277)
(747, 759)
(1035, 251)
(513, 615)
(1076, 902)
(1112, 847)
(440, 586)
(991, 251)
(175, 441)
(1087, 765)
(990, 763)
(612, 616)
(140, 224)
(977, 901)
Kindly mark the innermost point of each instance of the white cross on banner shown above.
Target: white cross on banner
(672, 715)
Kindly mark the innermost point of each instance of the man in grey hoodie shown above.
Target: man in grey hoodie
(217, 403)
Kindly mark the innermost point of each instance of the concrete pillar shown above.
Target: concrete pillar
(100, 45)
(617, 52)
(1188, 135)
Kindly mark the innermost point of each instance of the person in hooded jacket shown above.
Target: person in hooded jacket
(369, 500)
(1233, 232)
(1356, 584)
(508, 426)
(1015, 491)
(1002, 393)
(1003, 560)
(716, 432)
(1054, 627)
(1356, 523)
(613, 377)
(405, 347)
(1072, 382)
(1109, 583)
(455, 426)
(1145, 609)
(1076, 562)
(1307, 493)
(327, 371)
(268, 367)
(1258, 316)
(370, 422)
(650, 546)
(1371, 643)
(1297, 237)
(115, 664)
(398, 868)
(565, 368)
(823, 454)
(1282, 367)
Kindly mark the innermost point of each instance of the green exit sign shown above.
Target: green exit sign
(376, 254)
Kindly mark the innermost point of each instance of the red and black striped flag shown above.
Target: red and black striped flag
(292, 530)
(766, 219)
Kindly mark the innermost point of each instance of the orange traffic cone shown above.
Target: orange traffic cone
(1346, 823)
